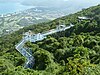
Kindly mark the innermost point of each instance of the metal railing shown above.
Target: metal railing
(30, 59)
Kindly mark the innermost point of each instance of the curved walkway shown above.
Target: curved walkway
(33, 38)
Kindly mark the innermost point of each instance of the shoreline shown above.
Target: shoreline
(11, 8)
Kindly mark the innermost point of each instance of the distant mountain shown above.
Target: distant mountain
(45, 11)
(14, 21)
(66, 6)
(75, 51)
(62, 3)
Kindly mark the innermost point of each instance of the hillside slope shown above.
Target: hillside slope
(75, 51)
(14, 21)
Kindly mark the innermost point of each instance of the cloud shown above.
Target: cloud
(62, 3)
(44, 2)
(58, 2)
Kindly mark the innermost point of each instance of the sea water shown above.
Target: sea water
(12, 7)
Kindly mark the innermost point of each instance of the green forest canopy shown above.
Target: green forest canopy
(75, 51)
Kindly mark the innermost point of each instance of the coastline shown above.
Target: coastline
(6, 8)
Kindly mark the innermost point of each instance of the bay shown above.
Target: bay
(12, 7)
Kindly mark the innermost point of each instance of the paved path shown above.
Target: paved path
(37, 37)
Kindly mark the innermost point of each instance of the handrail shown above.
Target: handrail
(20, 46)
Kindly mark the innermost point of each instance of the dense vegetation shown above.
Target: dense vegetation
(75, 51)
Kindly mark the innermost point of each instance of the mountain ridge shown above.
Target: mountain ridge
(75, 51)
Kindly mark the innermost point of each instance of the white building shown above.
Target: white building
(83, 18)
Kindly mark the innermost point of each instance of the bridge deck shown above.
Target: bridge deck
(37, 37)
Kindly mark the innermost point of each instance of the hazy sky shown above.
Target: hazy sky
(54, 2)
(65, 5)
(50, 1)
(61, 3)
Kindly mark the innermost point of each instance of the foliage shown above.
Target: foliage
(75, 51)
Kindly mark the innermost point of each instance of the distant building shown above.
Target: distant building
(1, 15)
(83, 18)
(7, 31)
